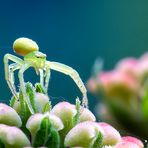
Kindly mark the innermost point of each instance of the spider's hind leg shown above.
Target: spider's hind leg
(47, 78)
(22, 86)
(73, 74)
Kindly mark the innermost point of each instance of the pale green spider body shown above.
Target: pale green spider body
(37, 60)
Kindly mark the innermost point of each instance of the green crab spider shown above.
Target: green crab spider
(33, 58)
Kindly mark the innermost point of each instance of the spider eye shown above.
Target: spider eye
(40, 55)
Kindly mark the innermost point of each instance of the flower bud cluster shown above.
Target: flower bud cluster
(68, 125)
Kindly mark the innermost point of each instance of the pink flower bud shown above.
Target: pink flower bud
(142, 68)
(13, 137)
(9, 116)
(92, 85)
(111, 135)
(128, 65)
(133, 140)
(66, 112)
(126, 145)
(113, 80)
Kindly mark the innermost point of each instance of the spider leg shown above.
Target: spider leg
(73, 74)
(22, 85)
(41, 77)
(17, 60)
(47, 78)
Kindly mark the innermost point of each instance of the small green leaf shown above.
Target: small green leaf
(39, 88)
(42, 133)
(23, 107)
(76, 118)
(98, 141)
(47, 107)
(47, 135)
(12, 101)
(53, 140)
(31, 95)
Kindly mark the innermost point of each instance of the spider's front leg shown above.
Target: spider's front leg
(41, 77)
(9, 70)
(47, 78)
(22, 85)
(73, 74)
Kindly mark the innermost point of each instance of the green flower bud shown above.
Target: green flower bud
(82, 134)
(33, 123)
(66, 112)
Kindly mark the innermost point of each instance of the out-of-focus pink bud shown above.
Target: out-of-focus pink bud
(114, 80)
(111, 135)
(92, 85)
(128, 65)
(82, 134)
(133, 140)
(126, 145)
(142, 68)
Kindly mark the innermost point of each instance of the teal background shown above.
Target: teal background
(74, 33)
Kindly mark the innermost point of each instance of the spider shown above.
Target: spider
(33, 58)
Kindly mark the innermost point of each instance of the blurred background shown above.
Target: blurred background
(74, 33)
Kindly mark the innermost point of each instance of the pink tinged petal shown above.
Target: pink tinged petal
(9, 116)
(87, 115)
(134, 140)
(82, 134)
(111, 135)
(56, 122)
(13, 136)
(126, 145)
(33, 123)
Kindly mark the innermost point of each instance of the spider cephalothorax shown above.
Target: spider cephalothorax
(36, 59)
(33, 58)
